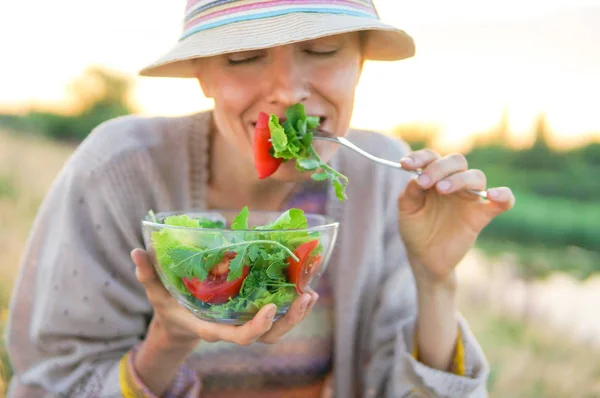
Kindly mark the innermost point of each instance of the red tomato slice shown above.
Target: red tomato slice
(264, 162)
(215, 289)
(300, 272)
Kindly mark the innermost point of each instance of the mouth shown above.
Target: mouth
(322, 120)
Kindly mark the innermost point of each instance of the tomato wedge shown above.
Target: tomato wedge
(264, 162)
(215, 289)
(300, 272)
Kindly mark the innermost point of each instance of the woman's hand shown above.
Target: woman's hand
(180, 325)
(439, 222)
(174, 331)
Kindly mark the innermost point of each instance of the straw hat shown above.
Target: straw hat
(214, 27)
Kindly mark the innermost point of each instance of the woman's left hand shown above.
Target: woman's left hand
(439, 221)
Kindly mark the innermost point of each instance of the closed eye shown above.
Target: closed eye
(322, 53)
(243, 60)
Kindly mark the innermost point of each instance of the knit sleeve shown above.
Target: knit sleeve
(77, 307)
(186, 383)
(458, 359)
(393, 369)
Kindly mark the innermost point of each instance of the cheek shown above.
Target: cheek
(232, 100)
(233, 97)
(340, 82)
(338, 85)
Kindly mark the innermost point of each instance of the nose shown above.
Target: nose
(287, 81)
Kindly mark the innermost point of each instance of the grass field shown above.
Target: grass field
(531, 362)
(27, 167)
(526, 361)
(553, 221)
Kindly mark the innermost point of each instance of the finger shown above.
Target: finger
(500, 199)
(246, 334)
(292, 317)
(470, 179)
(412, 198)
(441, 168)
(143, 268)
(419, 159)
(144, 272)
(314, 298)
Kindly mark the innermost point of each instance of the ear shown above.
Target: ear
(361, 66)
(203, 86)
(201, 78)
(362, 39)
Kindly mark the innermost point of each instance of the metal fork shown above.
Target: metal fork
(322, 135)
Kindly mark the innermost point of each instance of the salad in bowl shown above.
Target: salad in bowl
(224, 266)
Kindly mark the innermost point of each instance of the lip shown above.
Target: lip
(322, 120)
(281, 120)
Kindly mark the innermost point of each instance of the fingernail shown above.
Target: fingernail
(406, 160)
(493, 193)
(424, 180)
(444, 185)
(271, 313)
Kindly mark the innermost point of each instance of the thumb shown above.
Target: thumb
(412, 198)
(501, 199)
(143, 268)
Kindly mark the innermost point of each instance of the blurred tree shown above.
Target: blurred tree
(498, 136)
(97, 95)
(540, 156)
(100, 88)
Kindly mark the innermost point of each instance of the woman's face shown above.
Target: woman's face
(322, 74)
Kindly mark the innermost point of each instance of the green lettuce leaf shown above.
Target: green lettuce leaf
(241, 220)
(290, 219)
(182, 253)
(182, 221)
(162, 243)
(293, 141)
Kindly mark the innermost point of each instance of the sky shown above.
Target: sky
(475, 60)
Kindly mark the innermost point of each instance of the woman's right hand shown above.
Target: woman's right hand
(175, 331)
(180, 326)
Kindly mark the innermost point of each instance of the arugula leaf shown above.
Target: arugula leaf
(312, 122)
(275, 270)
(295, 114)
(308, 164)
(241, 220)
(320, 176)
(293, 141)
(188, 262)
(253, 252)
(340, 187)
(236, 266)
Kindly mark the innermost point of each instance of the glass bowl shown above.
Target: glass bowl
(224, 266)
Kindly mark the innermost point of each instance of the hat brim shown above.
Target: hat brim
(383, 42)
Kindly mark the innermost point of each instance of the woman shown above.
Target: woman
(86, 321)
